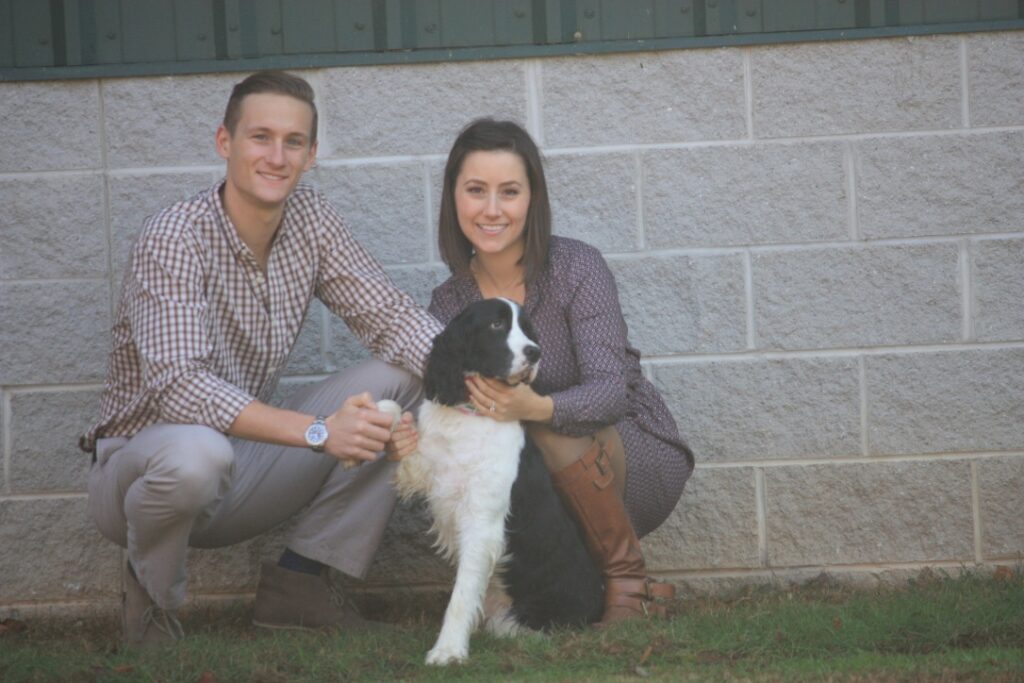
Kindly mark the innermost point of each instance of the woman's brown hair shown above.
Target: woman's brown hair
(489, 135)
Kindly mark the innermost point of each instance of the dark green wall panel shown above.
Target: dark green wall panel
(193, 24)
(421, 24)
(6, 34)
(353, 25)
(149, 31)
(467, 22)
(514, 23)
(675, 18)
(33, 36)
(307, 26)
(106, 26)
(88, 38)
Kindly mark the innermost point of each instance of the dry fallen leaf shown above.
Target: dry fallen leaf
(11, 626)
(1002, 574)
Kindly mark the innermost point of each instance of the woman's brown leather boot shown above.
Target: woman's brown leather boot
(586, 488)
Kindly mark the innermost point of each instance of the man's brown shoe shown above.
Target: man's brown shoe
(142, 621)
(293, 600)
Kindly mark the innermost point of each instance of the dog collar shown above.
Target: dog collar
(467, 408)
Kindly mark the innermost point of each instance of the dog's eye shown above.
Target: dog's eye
(498, 325)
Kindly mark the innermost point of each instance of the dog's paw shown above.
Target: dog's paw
(441, 655)
(503, 624)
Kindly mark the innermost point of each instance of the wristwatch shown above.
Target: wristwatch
(316, 434)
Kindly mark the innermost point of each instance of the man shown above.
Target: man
(188, 451)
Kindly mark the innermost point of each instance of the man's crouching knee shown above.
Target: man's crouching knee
(192, 468)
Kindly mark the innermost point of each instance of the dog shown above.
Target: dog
(520, 560)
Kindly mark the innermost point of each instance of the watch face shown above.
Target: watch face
(316, 435)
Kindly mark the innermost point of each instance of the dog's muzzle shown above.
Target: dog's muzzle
(531, 354)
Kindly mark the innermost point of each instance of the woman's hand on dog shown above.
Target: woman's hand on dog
(358, 432)
(505, 403)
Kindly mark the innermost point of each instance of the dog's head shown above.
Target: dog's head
(492, 338)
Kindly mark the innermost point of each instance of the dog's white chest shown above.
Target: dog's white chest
(469, 453)
(465, 467)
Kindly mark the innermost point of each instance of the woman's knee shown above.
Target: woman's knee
(558, 450)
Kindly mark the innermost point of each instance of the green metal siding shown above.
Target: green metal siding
(87, 38)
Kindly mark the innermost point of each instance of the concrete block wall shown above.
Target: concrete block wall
(819, 247)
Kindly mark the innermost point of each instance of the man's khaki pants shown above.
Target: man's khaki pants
(172, 486)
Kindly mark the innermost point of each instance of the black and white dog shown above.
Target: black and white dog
(495, 512)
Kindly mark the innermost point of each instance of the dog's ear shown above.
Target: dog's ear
(444, 380)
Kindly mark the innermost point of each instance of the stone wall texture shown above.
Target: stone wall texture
(819, 247)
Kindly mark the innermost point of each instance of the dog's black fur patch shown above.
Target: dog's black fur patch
(550, 576)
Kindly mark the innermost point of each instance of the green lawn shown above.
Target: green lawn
(937, 629)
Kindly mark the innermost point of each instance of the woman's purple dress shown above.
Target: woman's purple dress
(592, 373)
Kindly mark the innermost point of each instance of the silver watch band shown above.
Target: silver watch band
(316, 434)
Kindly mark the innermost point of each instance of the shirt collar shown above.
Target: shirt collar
(224, 221)
(231, 233)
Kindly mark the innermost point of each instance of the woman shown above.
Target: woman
(610, 443)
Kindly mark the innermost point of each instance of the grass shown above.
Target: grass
(940, 628)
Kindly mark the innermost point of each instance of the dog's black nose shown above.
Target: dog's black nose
(532, 353)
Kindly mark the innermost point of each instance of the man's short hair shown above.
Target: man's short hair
(270, 81)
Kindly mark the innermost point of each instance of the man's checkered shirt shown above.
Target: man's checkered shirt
(202, 330)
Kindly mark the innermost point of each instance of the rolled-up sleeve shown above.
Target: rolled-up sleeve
(354, 286)
(169, 315)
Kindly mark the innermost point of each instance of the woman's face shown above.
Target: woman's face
(492, 198)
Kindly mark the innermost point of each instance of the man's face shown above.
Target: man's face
(269, 150)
